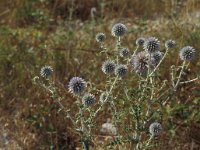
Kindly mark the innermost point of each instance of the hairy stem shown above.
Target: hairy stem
(58, 99)
(180, 74)
(135, 51)
(189, 81)
(159, 63)
(106, 99)
(149, 141)
(173, 75)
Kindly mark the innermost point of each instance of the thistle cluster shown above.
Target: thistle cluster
(140, 62)
(150, 57)
(138, 104)
(146, 63)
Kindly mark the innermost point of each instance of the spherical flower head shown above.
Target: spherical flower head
(155, 129)
(155, 58)
(88, 99)
(119, 30)
(46, 71)
(140, 62)
(151, 45)
(100, 37)
(77, 85)
(104, 97)
(187, 53)
(121, 70)
(124, 52)
(108, 67)
(169, 44)
(140, 41)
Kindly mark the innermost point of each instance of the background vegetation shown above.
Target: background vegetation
(62, 33)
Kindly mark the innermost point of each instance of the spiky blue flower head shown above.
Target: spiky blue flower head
(140, 62)
(124, 52)
(156, 57)
(88, 99)
(121, 70)
(187, 53)
(119, 30)
(169, 44)
(140, 41)
(76, 85)
(100, 37)
(151, 45)
(108, 67)
(104, 97)
(46, 71)
(155, 129)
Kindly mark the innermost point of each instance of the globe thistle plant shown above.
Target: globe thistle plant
(143, 97)
(124, 52)
(140, 62)
(108, 67)
(88, 99)
(155, 129)
(140, 41)
(121, 70)
(169, 44)
(100, 37)
(151, 45)
(46, 71)
(119, 30)
(187, 53)
(77, 85)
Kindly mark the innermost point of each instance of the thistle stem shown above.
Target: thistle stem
(180, 74)
(159, 63)
(84, 134)
(118, 46)
(81, 114)
(135, 50)
(173, 75)
(189, 81)
(151, 98)
(106, 99)
(149, 141)
(55, 96)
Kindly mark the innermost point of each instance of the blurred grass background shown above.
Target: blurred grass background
(61, 33)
